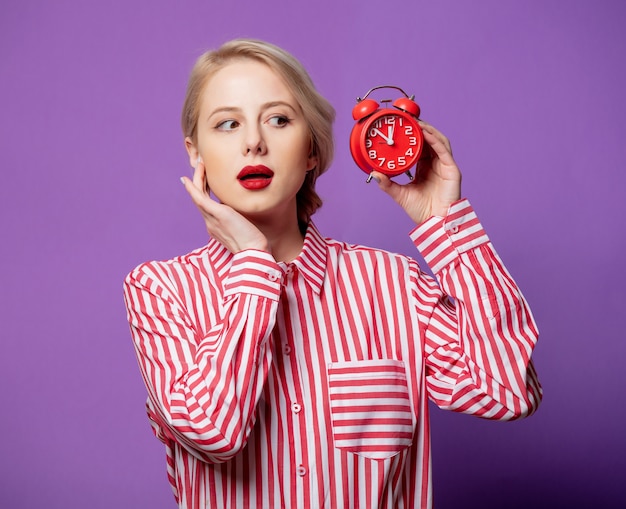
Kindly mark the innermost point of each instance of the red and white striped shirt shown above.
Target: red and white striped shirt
(305, 384)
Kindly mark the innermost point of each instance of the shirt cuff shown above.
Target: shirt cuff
(254, 272)
(442, 239)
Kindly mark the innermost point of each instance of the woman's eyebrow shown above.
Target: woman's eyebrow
(272, 104)
(265, 106)
(224, 109)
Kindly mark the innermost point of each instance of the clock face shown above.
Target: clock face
(392, 142)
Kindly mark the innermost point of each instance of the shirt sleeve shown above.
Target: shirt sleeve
(204, 386)
(480, 333)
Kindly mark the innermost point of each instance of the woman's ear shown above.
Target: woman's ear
(311, 160)
(194, 155)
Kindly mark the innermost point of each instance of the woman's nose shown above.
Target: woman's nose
(254, 142)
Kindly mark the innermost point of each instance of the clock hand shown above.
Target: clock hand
(389, 141)
(390, 138)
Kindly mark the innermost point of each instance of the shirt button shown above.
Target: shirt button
(287, 350)
(272, 276)
(296, 407)
(289, 269)
(454, 229)
(301, 471)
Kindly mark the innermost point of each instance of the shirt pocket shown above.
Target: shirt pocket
(370, 407)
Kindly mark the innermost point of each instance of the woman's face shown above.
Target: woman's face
(253, 140)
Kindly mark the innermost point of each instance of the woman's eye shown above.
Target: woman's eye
(278, 121)
(227, 125)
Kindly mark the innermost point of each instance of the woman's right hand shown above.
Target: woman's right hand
(223, 223)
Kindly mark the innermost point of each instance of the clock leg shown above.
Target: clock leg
(408, 174)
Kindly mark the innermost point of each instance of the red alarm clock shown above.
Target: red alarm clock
(388, 140)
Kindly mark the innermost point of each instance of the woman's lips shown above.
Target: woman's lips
(255, 177)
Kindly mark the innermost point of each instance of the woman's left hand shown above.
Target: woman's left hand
(437, 183)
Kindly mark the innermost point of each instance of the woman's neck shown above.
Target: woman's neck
(284, 237)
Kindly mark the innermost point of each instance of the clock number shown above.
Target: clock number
(373, 154)
(390, 120)
(381, 161)
(408, 130)
(378, 123)
(368, 143)
(413, 140)
(402, 160)
(409, 152)
(391, 164)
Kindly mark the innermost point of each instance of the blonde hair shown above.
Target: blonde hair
(318, 112)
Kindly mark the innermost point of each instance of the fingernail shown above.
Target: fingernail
(182, 180)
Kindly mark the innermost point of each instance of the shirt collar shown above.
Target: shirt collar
(311, 262)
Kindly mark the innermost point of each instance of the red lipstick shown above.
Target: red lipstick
(255, 177)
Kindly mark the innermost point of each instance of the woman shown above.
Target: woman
(288, 370)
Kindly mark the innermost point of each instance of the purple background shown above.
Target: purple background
(531, 95)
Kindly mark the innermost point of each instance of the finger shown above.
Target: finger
(200, 199)
(386, 184)
(192, 189)
(439, 144)
(432, 134)
(204, 183)
(198, 176)
(431, 129)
